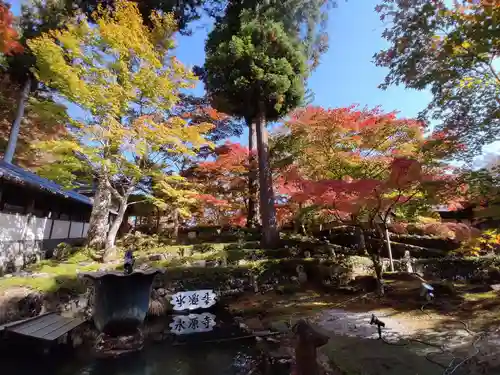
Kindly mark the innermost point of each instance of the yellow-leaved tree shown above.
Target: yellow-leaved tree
(123, 75)
(177, 195)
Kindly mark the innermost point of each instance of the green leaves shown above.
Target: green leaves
(450, 49)
(265, 65)
(120, 72)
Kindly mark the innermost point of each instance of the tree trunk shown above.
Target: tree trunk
(99, 218)
(252, 215)
(360, 240)
(125, 227)
(377, 264)
(270, 235)
(297, 222)
(157, 220)
(16, 125)
(113, 231)
(374, 249)
(175, 217)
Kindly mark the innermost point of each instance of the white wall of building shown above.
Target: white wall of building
(12, 227)
(60, 229)
(46, 231)
(76, 230)
(18, 227)
(85, 229)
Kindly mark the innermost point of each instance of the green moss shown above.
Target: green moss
(480, 296)
(40, 283)
(60, 274)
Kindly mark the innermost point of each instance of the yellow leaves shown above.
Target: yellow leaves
(466, 45)
(436, 42)
(123, 30)
(114, 70)
(117, 64)
(175, 192)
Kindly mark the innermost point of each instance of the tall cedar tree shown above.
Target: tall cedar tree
(302, 19)
(257, 74)
(124, 75)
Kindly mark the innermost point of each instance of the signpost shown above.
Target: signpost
(192, 323)
(193, 300)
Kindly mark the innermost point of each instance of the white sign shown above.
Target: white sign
(193, 300)
(192, 323)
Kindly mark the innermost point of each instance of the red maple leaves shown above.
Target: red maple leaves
(8, 35)
(223, 185)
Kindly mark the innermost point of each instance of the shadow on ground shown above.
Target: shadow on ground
(357, 356)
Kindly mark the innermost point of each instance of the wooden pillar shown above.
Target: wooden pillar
(307, 342)
(1, 194)
(51, 224)
(69, 229)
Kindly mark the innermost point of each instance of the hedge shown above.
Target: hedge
(472, 269)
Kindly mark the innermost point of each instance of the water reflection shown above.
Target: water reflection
(185, 360)
(161, 359)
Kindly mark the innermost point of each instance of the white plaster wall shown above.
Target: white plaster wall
(60, 230)
(76, 230)
(36, 228)
(85, 229)
(12, 226)
(46, 232)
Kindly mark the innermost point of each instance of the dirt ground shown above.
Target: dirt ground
(459, 333)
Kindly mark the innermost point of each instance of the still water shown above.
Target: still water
(159, 359)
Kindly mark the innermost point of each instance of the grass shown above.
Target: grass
(474, 297)
(174, 249)
(63, 274)
(59, 274)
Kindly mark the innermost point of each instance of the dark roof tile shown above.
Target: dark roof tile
(21, 176)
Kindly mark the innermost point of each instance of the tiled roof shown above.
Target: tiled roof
(21, 176)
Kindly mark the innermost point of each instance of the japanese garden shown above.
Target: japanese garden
(244, 187)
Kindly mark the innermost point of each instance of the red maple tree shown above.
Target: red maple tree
(223, 186)
(8, 35)
(360, 166)
(369, 203)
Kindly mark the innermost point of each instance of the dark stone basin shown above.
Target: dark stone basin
(121, 301)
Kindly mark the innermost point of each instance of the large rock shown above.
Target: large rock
(19, 303)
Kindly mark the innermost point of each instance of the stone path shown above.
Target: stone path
(354, 348)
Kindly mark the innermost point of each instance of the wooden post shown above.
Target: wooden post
(69, 229)
(389, 249)
(51, 225)
(307, 342)
(1, 193)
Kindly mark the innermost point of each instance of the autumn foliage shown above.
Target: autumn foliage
(8, 35)
(223, 186)
(359, 165)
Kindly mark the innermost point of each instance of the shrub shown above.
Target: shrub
(141, 242)
(203, 248)
(63, 251)
(487, 243)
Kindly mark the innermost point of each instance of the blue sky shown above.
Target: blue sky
(346, 74)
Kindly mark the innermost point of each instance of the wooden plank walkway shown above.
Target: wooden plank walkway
(48, 327)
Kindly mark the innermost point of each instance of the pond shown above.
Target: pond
(189, 354)
(159, 359)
